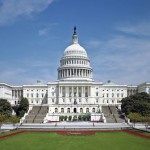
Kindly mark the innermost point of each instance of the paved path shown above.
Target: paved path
(74, 125)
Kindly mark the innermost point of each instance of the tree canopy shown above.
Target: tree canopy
(138, 103)
(5, 108)
(23, 107)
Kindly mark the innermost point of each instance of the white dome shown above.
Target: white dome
(75, 64)
(75, 50)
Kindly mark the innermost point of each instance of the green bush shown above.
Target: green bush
(69, 118)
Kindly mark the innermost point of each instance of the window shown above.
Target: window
(96, 100)
(86, 100)
(52, 100)
(56, 110)
(79, 100)
(68, 110)
(96, 93)
(69, 94)
(37, 95)
(121, 94)
(31, 94)
(117, 94)
(42, 95)
(81, 110)
(27, 94)
(93, 110)
(63, 94)
(63, 100)
(87, 110)
(107, 95)
(62, 110)
(112, 94)
(79, 94)
(86, 94)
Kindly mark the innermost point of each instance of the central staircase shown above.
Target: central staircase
(36, 115)
(112, 114)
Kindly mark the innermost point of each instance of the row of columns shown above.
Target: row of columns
(75, 89)
(17, 93)
(74, 73)
(74, 61)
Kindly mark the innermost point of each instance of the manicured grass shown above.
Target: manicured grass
(141, 132)
(53, 141)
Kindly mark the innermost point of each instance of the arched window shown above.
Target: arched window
(93, 110)
(68, 110)
(87, 110)
(81, 110)
(62, 110)
(56, 110)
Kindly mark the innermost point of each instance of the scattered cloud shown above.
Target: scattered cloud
(142, 28)
(27, 72)
(46, 29)
(94, 43)
(123, 58)
(11, 9)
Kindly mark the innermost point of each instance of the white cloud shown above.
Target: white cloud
(94, 43)
(27, 71)
(124, 59)
(11, 9)
(46, 29)
(142, 28)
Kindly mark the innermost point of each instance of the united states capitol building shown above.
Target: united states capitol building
(75, 92)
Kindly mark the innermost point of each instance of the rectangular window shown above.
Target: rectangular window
(79, 94)
(42, 95)
(27, 94)
(69, 94)
(117, 94)
(86, 94)
(112, 94)
(107, 95)
(96, 93)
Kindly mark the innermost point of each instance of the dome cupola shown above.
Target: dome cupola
(75, 64)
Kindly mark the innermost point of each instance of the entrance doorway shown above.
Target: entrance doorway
(75, 110)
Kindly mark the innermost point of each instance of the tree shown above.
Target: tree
(14, 119)
(138, 103)
(2, 119)
(5, 108)
(135, 117)
(23, 107)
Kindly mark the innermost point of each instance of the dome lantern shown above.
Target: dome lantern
(75, 36)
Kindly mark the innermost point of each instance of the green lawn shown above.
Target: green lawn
(53, 141)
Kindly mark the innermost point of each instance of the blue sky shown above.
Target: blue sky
(34, 34)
